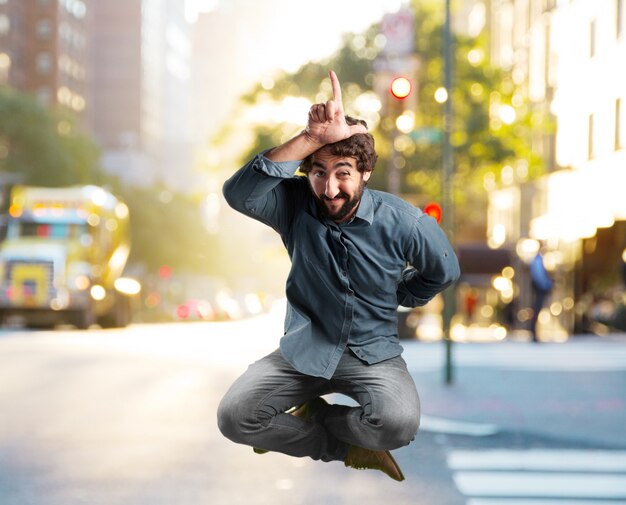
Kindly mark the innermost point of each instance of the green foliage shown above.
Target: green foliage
(167, 229)
(354, 65)
(44, 146)
(265, 138)
(483, 144)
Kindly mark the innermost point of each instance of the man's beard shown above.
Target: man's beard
(345, 209)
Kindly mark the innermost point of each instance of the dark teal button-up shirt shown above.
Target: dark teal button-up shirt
(346, 280)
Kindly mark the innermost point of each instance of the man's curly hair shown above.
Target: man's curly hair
(360, 146)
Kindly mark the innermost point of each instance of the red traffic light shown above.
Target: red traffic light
(401, 87)
(433, 210)
(165, 272)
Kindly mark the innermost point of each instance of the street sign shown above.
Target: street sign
(399, 31)
(426, 135)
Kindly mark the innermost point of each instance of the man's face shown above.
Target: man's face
(337, 185)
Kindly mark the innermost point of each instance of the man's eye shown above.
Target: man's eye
(319, 174)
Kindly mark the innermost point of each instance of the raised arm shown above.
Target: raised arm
(257, 190)
(326, 124)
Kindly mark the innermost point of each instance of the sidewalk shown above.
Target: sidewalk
(574, 391)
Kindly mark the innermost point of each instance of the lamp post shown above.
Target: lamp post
(449, 295)
(399, 101)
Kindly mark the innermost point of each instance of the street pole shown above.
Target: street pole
(449, 295)
(393, 173)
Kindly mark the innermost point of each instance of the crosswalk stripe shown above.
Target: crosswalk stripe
(538, 501)
(525, 484)
(451, 427)
(520, 356)
(539, 460)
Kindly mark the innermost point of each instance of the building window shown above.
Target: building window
(5, 67)
(5, 24)
(549, 5)
(44, 29)
(547, 60)
(43, 63)
(619, 17)
(77, 8)
(590, 146)
(618, 124)
(592, 39)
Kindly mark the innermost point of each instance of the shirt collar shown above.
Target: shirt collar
(365, 210)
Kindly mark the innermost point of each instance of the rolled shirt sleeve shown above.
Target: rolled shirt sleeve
(256, 190)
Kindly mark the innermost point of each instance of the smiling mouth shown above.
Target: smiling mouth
(335, 204)
(338, 198)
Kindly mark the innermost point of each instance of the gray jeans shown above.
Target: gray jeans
(253, 410)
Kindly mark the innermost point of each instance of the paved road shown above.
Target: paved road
(128, 418)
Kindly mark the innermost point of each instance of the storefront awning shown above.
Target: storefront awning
(479, 262)
(579, 202)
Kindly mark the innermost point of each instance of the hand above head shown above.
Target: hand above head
(327, 122)
(326, 125)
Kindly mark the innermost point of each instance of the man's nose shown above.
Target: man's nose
(332, 188)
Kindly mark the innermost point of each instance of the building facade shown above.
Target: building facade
(566, 57)
(141, 82)
(122, 66)
(45, 50)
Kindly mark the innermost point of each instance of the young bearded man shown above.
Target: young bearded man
(356, 255)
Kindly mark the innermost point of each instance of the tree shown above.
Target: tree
(167, 229)
(493, 123)
(45, 147)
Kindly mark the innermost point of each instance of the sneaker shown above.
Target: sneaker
(363, 459)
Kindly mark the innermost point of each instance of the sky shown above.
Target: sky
(288, 33)
(247, 41)
(255, 38)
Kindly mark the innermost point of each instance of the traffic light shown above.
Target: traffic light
(433, 209)
(401, 87)
(165, 271)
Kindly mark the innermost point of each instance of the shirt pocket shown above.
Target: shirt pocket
(312, 242)
(376, 262)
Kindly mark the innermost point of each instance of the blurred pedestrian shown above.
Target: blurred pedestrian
(470, 300)
(542, 285)
(623, 266)
(349, 247)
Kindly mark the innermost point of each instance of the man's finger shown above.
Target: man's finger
(336, 88)
(314, 113)
(331, 109)
(357, 128)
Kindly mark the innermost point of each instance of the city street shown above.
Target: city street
(127, 417)
(171, 170)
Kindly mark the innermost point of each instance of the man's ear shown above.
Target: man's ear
(366, 175)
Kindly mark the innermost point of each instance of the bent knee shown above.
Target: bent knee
(227, 421)
(403, 431)
(233, 420)
(393, 432)
(237, 422)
